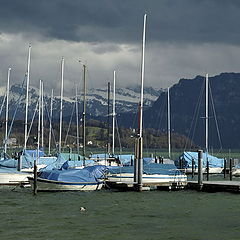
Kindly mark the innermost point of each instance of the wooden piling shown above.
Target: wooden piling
(230, 168)
(19, 165)
(192, 168)
(136, 161)
(35, 178)
(225, 168)
(207, 170)
(200, 173)
(140, 165)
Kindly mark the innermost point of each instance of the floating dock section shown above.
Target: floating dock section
(130, 186)
(215, 186)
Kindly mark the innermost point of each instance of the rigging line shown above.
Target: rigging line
(16, 109)
(69, 125)
(194, 120)
(134, 119)
(48, 116)
(160, 113)
(119, 140)
(30, 128)
(215, 117)
(145, 139)
(4, 99)
(198, 112)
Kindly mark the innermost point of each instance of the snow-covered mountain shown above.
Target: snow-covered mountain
(126, 101)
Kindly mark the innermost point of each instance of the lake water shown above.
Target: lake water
(187, 215)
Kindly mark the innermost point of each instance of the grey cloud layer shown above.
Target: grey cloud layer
(120, 21)
(184, 38)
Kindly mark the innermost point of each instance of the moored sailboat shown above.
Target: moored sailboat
(144, 174)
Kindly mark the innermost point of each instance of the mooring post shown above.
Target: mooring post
(35, 178)
(136, 161)
(225, 168)
(192, 168)
(140, 165)
(19, 158)
(230, 169)
(207, 170)
(200, 173)
(180, 164)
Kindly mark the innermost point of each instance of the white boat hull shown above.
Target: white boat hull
(212, 170)
(151, 178)
(51, 185)
(215, 170)
(236, 173)
(14, 178)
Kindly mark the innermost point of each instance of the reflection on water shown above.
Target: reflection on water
(119, 215)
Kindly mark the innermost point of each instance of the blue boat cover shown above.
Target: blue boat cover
(151, 168)
(72, 156)
(10, 170)
(125, 159)
(91, 174)
(61, 159)
(187, 158)
(34, 153)
(26, 161)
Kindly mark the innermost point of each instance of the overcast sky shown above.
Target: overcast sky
(185, 38)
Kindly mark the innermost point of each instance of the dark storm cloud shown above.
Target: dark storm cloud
(121, 21)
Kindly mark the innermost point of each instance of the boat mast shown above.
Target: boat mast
(169, 125)
(206, 117)
(61, 106)
(113, 113)
(140, 137)
(84, 113)
(39, 119)
(6, 126)
(27, 89)
(42, 103)
(76, 99)
(108, 121)
(50, 125)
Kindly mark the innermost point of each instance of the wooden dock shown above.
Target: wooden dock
(215, 186)
(130, 186)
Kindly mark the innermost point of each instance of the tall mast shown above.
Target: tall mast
(169, 125)
(139, 148)
(27, 89)
(84, 113)
(206, 117)
(108, 122)
(6, 126)
(50, 125)
(142, 76)
(77, 121)
(39, 118)
(61, 106)
(42, 103)
(114, 112)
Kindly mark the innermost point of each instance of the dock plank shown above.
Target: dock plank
(215, 186)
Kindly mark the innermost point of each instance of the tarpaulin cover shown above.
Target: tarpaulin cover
(87, 174)
(187, 158)
(26, 162)
(61, 159)
(152, 168)
(125, 159)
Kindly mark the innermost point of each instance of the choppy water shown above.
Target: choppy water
(151, 215)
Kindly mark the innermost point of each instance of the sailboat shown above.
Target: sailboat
(110, 158)
(58, 176)
(10, 169)
(189, 160)
(145, 174)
